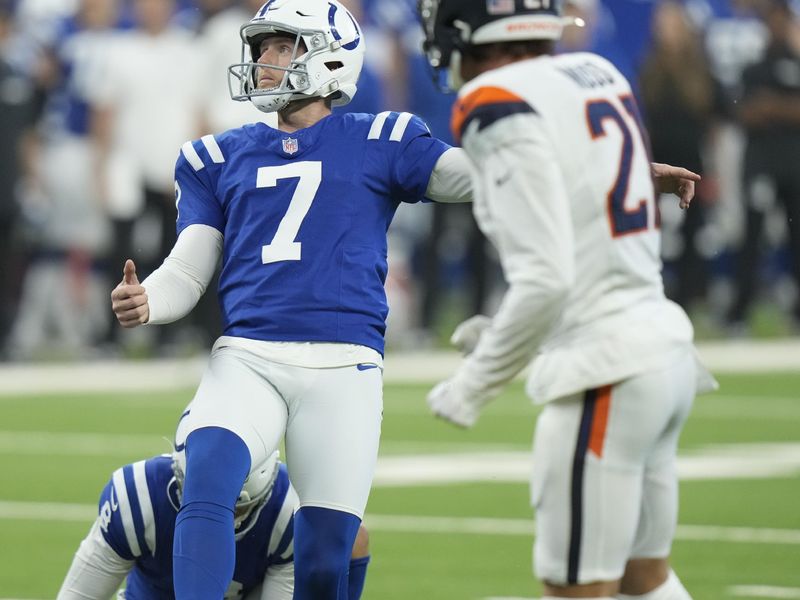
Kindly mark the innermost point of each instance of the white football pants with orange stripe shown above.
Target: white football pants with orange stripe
(604, 482)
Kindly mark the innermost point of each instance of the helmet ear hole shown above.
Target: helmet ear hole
(334, 64)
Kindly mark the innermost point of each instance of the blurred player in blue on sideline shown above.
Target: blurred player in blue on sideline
(298, 214)
(133, 535)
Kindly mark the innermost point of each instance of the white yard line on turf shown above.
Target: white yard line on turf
(763, 356)
(763, 591)
(51, 511)
(728, 461)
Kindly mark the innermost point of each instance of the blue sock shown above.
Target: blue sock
(358, 573)
(323, 543)
(204, 552)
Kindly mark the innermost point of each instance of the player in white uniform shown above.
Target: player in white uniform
(298, 214)
(564, 189)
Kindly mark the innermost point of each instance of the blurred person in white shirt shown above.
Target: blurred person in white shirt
(146, 104)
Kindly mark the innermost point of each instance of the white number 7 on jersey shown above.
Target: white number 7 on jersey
(283, 245)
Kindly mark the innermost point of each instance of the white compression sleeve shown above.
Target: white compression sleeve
(451, 179)
(175, 287)
(96, 571)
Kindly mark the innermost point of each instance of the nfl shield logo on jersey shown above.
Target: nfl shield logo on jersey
(500, 7)
(290, 145)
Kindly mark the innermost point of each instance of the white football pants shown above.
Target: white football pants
(604, 481)
(331, 419)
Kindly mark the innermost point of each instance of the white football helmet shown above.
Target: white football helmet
(329, 66)
(256, 490)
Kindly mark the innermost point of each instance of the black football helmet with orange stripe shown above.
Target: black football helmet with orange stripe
(453, 25)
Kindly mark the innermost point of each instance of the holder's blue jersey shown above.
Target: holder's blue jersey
(137, 512)
(304, 218)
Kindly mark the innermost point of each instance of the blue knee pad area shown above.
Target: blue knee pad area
(204, 552)
(323, 543)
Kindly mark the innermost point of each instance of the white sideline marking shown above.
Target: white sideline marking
(525, 527)
(80, 444)
(47, 511)
(743, 590)
(52, 511)
(733, 461)
(759, 356)
(764, 591)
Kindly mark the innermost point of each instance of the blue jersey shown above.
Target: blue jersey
(304, 218)
(137, 511)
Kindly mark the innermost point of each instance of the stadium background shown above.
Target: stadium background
(449, 514)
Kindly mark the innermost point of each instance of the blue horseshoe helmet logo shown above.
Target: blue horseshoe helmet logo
(336, 35)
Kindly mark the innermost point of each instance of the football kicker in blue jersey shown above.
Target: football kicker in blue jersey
(298, 217)
(136, 521)
(304, 218)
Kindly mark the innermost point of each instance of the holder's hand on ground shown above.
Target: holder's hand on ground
(675, 180)
(468, 333)
(129, 300)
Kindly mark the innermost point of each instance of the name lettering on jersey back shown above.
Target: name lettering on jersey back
(588, 75)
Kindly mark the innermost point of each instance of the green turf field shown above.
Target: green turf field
(739, 532)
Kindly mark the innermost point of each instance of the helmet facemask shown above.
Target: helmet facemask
(295, 84)
(326, 59)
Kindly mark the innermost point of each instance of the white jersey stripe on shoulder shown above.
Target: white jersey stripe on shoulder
(125, 512)
(290, 501)
(400, 127)
(377, 125)
(146, 506)
(192, 156)
(213, 148)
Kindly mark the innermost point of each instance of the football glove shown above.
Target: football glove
(466, 336)
(450, 400)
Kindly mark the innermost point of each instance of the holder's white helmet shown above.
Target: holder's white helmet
(256, 490)
(329, 67)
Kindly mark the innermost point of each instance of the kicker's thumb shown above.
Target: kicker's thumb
(129, 273)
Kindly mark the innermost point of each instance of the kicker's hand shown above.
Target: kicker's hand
(129, 300)
(675, 180)
(468, 333)
(451, 402)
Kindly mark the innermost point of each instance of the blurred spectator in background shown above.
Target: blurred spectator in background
(147, 105)
(63, 296)
(770, 113)
(140, 112)
(17, 116)
(599, 34)
(220, 47)
(371, 97)
(195, 15)
(734, 37)
(444, 249)
(679, 96)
